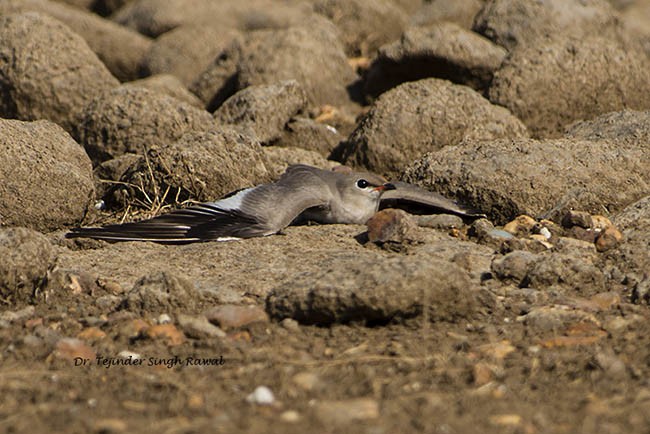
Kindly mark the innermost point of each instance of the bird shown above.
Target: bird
(301, 194)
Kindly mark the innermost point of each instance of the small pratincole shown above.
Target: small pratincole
(303, 193)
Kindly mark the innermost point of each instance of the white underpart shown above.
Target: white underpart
(233, 202)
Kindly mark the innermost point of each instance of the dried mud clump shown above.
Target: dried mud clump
(507, 178)
(47, 71)
(161, 293)
(263, 110)
(26, 256)
(375, 291)
(310, 53)
(132, 119)
(617, 79)
(442, 50)
(419, 117)
(47, 180)
(185, 169)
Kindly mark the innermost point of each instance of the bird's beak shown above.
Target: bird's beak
(384, 187)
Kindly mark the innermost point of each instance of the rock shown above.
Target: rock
(133, 119)
(365, 25)
(512, 23)
(233, 316)
(187, 50)
(375, 290)
(308, 134)
(48, 72)
(440, 221)
(346, 411)
(308, 381)
(506, 178)
(442, 50)
(167, 333)
(556, 319)
(461, 12)
(278, 158)
(617, 75)
(565, 272)
(70, 348)
(153, 17)
(262, 395)
(168, 85)
(27, 257)
(608, 239)
(419, 117)
(515, 265)
(521, 226)
(186, 168)
(199, 327)
(91, 334)
(632, 255)
(119, 48)
(392, 226)
(310, 53)
(290, 416)
(290, 325)
(577, 218)
(627, 126)
(18, 316)
(265, 109)
(40, 166)
(161, 292)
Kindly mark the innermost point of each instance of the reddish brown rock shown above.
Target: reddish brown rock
(233, 316)
(70, 348)
(392, 226)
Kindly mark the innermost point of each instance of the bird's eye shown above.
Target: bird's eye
(362, 183)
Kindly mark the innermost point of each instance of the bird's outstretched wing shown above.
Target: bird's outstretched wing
(417, 200)
(251, 212)
(204, 222)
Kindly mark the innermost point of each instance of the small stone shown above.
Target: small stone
(520, 226)
(582, 234)
(307, 381)
(91, 334)
(126, 354)
(163, 318)
(577, 218)
(608, 239)
(392, 226)
(18, 315)
(108, 426)
(606, 300)
(290, 416)
(440, 221)
(262, 395)
(108, 302)
(482, 374)
(133, 328)
(167, 332)
(480, 228)
(542, 240)
(199, 327)
(346, 411)
(497, 350)
(71, 348)
(556, 318)
(600, 222)
(290, 324)
(110, 286)
(610, 364)
(233, 316)
(545, 232)
(515, 265)
(505, 420)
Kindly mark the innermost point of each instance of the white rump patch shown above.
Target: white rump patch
(234, 201)
(228, 239)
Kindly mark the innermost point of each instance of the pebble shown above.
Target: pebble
(497, 350)
(608, 239)
(133, 328)
(234, 316)
(18, 315)
(163, 318)
(520, 226)
(600, 223)
(167, 332)
(346, 411)
(108, 302)
(91, 334)
(515, 265)
(307, 381)
(126, 354)
(545, 232)
(262, 395)
(440, 221)
(199, 327)
(392, 226)
(111, 425)
(555, 318)
(577, 218)
(290, 416)
(505, 420)
(290, 324)
(70, 348)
